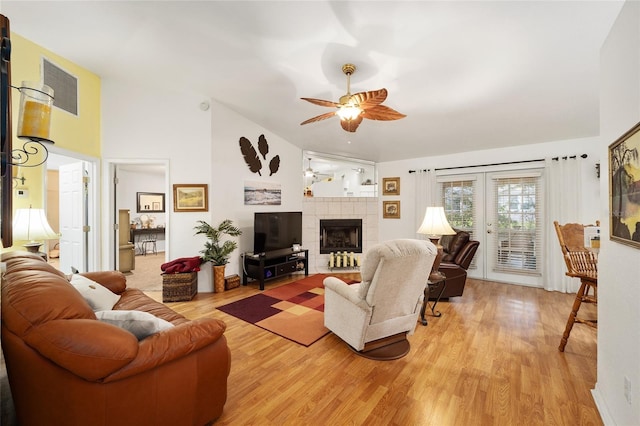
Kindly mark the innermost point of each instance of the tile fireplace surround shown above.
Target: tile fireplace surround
(314, 209)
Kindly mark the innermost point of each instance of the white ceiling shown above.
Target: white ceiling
(468, 75)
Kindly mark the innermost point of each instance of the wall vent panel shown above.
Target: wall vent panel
(64, 85)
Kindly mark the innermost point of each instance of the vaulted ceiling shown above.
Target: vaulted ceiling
(468, 75)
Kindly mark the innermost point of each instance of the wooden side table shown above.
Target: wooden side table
(435, 286)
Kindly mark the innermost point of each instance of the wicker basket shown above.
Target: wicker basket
(231, 281)
(179, 287)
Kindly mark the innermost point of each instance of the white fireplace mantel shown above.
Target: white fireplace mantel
(314, 209)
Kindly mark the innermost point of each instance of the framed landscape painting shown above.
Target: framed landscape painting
(190, 197)
(624, 188)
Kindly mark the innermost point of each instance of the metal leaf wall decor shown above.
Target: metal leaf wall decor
(250, 155)
(263, 146)
(252, 158)
(274, 164)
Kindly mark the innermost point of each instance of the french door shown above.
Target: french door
(503, 210)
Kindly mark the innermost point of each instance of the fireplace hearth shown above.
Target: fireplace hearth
(340, 235)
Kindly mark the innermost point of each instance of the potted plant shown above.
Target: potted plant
(215, 250)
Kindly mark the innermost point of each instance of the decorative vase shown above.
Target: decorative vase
(218, 278)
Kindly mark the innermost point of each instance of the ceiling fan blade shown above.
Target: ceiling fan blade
(381, 112)
(321, 102)
(351, 125)
(370, 99)
(319, 117)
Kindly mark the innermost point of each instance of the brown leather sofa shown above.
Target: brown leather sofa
(459, 250)
(65, 367)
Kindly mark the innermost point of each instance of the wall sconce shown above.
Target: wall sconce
(34, 124)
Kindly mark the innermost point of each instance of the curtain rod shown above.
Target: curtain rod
(571, 157)
(499, 164)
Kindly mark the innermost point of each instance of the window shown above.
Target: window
(458, 198)
(519, 223)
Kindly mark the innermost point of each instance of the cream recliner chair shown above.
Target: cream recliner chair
(375, 316)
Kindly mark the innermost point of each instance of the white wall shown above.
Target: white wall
(619, 266)
(201, 147)
(229, 171)
(141, 123)
(406, 226)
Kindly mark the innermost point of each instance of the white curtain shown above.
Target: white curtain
(425, 196)
(564, 199)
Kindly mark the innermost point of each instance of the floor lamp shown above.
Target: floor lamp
(434, 225)
(31, 225)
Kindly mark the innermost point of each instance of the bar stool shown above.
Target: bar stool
(151, 240)
(581, 263)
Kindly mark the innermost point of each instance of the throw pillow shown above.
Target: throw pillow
(97, 296)
(140, 324)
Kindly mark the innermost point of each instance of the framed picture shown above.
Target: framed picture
(391, 209)
(262, 193)
(190, 197)
(391, 186)
(149, 202)
(624, 188)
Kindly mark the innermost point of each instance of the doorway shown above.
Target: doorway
(504, 211)
(70, 201)
(124, 181)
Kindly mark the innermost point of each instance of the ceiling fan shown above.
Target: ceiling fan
(353, 108)
(313, 174)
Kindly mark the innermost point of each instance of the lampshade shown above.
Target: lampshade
(435, 223)
(31, 224)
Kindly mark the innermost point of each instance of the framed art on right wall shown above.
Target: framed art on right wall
(391, 186)
(391, 209)
(624, 188)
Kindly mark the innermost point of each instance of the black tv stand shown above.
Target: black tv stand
(274, 264)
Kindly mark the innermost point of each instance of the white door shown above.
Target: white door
(514, 227)
(462, 197)
(503, 211)
(73, 217)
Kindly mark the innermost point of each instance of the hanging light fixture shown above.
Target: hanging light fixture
(34, 124)
(349, 109)
(309, 171)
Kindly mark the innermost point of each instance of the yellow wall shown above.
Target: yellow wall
(79, 133)
(76, 133)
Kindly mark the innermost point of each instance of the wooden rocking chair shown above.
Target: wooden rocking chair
(583, 264)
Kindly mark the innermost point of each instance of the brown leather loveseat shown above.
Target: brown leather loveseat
(459, 250)
(66, 367)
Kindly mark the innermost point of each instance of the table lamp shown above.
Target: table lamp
(30, 225)
(434, 225)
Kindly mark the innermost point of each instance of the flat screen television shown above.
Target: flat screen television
(276, 230)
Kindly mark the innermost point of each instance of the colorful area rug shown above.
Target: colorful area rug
(294, 311)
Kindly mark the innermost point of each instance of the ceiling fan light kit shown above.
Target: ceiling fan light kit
(351, 109)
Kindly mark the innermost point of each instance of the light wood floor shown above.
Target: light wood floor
(491, 359)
